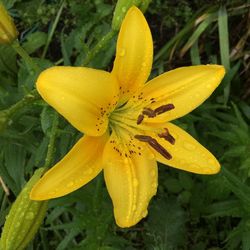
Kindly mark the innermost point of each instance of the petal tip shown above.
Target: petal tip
(220, 69)
(216, 168)
(133, 9)
(35, 196)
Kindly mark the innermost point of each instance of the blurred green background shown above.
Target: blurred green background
(189, 212)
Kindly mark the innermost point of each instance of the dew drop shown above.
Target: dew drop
(154, 185)
(144, 64)
(153, 173)
(134, 208)
(189, 146)
(135, 182)
(124, 9)
(194, 166)
(70, 184)
(30, 216)
(122, 52)
(209, 86)
(144, 213)
(89, 171)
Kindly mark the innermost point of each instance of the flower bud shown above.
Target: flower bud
(144, 5)
(24, 218)
(121, 9)
(8, 31)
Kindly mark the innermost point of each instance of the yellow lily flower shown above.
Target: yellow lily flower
(126, 123)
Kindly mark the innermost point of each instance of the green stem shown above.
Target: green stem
(51, 147)
(100, 45)
(28, 99)
(52, 31)
(22, 52)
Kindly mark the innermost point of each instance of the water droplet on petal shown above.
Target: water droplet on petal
(153, 173)
(144, 64)
(89, 171)
(122, 52)
(135, 182)
(189, 146)
(70, 184)
(144, 213)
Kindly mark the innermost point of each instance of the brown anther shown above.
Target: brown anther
(167, 136)
(143, 138)
(149, 112)
(161, 150)
(140, 119)
(164, 108)
(155, 145)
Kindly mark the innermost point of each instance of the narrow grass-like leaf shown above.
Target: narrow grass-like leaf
(194, 53)
(196, 34)
(223, 37)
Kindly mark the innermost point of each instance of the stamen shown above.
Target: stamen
(143, 138)
(167, 136)
(155, 145)
(149, 112)
(161, 150)
(164, 108)
(140, 119)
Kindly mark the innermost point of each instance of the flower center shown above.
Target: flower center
(127, 122)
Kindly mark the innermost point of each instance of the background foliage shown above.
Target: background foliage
(189, 211)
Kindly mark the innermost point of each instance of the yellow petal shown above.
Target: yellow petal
(185, 87)
(78, 167)
(83, 96)
(131, 181)
(134, 53)
(186, 152)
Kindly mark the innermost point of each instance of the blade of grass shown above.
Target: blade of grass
(196, 34)
(194, 53)
(53, 28)
(223, 37)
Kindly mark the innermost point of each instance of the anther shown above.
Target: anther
(167, 136)
(143, 138)
(149, 112)
(140, 119)
(161, 150)
(164, 108)
(155, 145)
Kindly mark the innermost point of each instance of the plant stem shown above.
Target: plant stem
(25, 56)
(28, 99)
(100, 45)
(52, 31)
(51, 147)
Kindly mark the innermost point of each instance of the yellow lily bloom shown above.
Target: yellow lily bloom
(126, 123)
